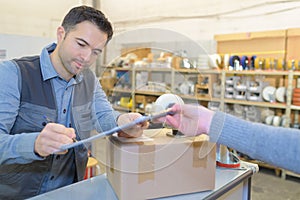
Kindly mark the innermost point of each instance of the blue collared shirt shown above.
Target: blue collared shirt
(20, 148)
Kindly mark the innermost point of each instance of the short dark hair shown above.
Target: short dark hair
(85, 13)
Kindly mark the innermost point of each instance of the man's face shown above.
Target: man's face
(79, 48)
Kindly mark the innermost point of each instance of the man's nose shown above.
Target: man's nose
(86, 54)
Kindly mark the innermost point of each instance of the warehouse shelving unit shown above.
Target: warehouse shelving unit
(134, 91)
(278, 44)
(287, 108)
(290, 77)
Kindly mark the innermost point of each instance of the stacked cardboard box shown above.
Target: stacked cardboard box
(160, 165)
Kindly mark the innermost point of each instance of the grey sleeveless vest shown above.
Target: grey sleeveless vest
(37, 100)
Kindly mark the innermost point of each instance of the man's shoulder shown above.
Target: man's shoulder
(7, 66)
(28, 63)
(27, 59)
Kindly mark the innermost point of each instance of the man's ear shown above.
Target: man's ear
(60, 33)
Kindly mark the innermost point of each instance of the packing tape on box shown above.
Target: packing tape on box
(196, 160)
(201, 150)
(111, 157)
(146, 162)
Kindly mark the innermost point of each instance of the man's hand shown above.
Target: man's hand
(51, 138)
(135, 131)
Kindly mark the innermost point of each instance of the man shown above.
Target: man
(49, 100)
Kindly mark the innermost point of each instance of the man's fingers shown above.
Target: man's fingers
(60, 152)
(52, 137)
(61, 130)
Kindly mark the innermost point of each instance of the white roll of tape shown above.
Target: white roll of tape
(163, 101)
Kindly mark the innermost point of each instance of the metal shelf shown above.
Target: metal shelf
(121, 90)
(260, 72)
(153, 69)
(287, 106)
(120, 108)
(254, 103)
(153, 93)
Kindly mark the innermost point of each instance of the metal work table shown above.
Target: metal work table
(230, 184)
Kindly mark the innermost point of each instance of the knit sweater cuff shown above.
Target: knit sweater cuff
(216, 126)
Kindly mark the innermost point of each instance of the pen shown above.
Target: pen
(47, 120)
(50, 121)
(74, 140)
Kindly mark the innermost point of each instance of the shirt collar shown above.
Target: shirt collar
(47, 68)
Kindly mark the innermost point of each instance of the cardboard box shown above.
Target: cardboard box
(160, 165)
(144, 99)
(108, 82)
(176, 62)
(140, 52)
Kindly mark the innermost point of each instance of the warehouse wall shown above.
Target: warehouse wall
(196, 19)
(15, 46)
(199, 20)
(27, 26)
(203, 19)
(34, 17)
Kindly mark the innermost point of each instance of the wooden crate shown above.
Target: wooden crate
(266, 44)
(293, 44)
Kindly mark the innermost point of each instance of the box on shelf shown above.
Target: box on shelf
(139, 52)
(204, 86)
(176, 62)
(126, 102)
(217, 90)
(144, 100)
(160, 165)
(108, 83)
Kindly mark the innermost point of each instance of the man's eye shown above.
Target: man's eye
(81, 44)
(96, 53)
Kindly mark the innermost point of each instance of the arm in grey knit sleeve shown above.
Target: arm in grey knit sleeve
(275, 145)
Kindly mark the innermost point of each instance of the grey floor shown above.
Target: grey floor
(267, 186)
